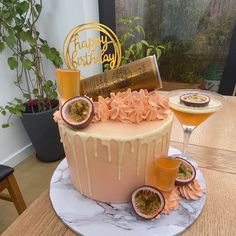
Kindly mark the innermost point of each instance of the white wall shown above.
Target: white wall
(57, 19)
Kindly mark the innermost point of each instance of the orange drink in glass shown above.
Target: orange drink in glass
(68, 84)
(162, 173)
(198, 107)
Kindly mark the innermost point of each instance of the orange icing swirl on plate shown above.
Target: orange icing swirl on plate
(191, 191)
(172, 200)
(132, 107)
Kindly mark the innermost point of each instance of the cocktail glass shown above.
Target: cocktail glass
(191, 115)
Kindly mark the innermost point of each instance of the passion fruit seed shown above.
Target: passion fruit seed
(78, 111)
(195, 99)
(147, 202)
(186, 173)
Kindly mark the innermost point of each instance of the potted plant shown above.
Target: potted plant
(218, 35)
(18, 33)
(132, 39)
(170, 54)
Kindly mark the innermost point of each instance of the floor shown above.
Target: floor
(33, 178)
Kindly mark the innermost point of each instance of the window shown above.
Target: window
(193, 36)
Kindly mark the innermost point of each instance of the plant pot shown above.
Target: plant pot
(44, 135)
(211, 85)
(212, 76)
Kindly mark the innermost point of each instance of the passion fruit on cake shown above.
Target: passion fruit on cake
(78, 112)
(186, 173)
(148, 202)
(195, 99)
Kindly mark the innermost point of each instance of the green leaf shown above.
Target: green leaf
(1, 46)
(27, 64)
(26, 95)
(54, 94)
(139, 48)
(145, 43)
(161, 47)
(5, 125)
(5, 14)
(19, 21)
(49, 83)
(46, 89)
(136, 18)
(30, 39)
(23, 35)
(4, 113)
(22, 7)
(18, 113)
(58, 61)
(149, 50)
(44, 49)
(11, 42)
(18, 100)
(158, 53)
(12, 62)
(43, 41)
(123, 39)
(35, 91)
(10, 32)
(38, 7)
(140, 29)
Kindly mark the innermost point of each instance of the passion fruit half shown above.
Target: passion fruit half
(78, 112)
(186, 173)
(195, 99)
(148, 202)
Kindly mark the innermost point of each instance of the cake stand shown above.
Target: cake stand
(92, 218)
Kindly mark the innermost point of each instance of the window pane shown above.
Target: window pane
(192, 36)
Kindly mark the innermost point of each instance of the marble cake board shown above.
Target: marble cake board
(92, 218)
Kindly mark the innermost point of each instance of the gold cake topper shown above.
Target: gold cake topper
(78, 52)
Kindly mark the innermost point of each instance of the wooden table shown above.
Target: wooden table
(212, 145)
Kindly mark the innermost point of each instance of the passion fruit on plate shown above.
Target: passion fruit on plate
(195, 99)
(186, 173)
(148, 202)
(78, 112)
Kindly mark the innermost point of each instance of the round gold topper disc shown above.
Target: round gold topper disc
(103, 48)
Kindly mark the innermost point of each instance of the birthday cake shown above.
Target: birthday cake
(110, 157)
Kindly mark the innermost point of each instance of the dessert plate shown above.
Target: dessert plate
(92, 218)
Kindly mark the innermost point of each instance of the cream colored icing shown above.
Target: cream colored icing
(132, 107)
(108, 160)
(191, 191)
(123, 149)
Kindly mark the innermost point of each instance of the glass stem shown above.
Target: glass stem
(187, 132)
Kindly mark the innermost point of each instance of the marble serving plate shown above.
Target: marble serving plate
(92, 218)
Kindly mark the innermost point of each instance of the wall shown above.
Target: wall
(57, 19)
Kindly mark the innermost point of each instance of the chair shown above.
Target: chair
(8, 181)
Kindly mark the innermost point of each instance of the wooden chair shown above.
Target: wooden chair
(8, 181)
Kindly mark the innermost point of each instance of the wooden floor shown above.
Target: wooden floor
(33, 178)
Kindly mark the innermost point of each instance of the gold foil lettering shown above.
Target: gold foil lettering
(92, 51)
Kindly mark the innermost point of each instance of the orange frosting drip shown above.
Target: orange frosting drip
(132, 107)
(171, 201)
(191, 191)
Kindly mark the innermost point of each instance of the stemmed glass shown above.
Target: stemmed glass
(192, 107)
